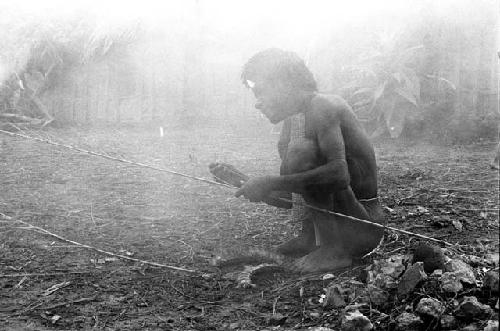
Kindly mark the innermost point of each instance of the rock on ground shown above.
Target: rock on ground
(450, 283)
(470, 308)
(355, 321)
(334, 297)
(276, 319)
(491, 326)
(408, 322)
(472, 327)
(429, 307)
(490, 281)
(463, 271)
(377, 296)
(413, 276)
(448, 322)
(431, 256)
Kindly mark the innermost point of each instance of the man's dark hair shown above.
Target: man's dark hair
(274, 64)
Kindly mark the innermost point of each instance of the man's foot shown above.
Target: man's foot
(323, 259)
(298, 246)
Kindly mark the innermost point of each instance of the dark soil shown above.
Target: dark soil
(445, 192)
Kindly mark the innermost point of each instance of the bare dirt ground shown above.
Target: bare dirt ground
(445, 192)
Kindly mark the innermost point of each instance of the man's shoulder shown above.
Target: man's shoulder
(328, 106)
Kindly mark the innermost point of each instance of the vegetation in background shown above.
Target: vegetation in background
(46, 50)
(386, 88)
(398, 90)
(402, 85)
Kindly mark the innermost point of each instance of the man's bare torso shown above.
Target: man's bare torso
(359, 153)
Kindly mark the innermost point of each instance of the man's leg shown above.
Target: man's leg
(341, 239)
(301, 245)
(301, 156)
(356, 237)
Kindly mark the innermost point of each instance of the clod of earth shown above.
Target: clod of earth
(408, 322)
(493, 258)
(393, 266)
(470, 308)
(463, 271)
(413, 276)
(450, 283)
(234, 326)
(471, 327)
(355, 321)
(384, 273)
(448, 322)
(384, 281)
(276, 319)
(491, 326)
(437, 273)
(432, 257)
(245, 278)
(429, 307)
(334, 297)
(491, 282)
(377, 296)
(476, 261)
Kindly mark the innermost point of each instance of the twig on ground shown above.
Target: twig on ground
(418, 226)
(190, 252)
(5, 216)
(30, 308)
(62, 246)
(395, 250)
(50, 274)
(400, 201)
(54, 288)
(92, 216)
(479, 209)
(62, 304)
(373, 251)
(275, 303)
(18, 285)
(461, 190)
(190, 297)
(43, 231)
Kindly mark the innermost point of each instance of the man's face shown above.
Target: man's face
(274, 100)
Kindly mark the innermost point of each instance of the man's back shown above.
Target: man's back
(359, 153)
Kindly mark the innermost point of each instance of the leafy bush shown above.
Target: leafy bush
(386, 88)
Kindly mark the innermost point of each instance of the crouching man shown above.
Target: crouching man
(327, 162)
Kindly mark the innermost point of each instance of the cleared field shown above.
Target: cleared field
(177, 221)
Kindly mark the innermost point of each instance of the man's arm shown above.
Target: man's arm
(274, 199)
(330, 177)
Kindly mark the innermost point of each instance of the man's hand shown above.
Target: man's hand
(256, 189)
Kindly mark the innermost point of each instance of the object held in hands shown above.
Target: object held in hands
(226, 173)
